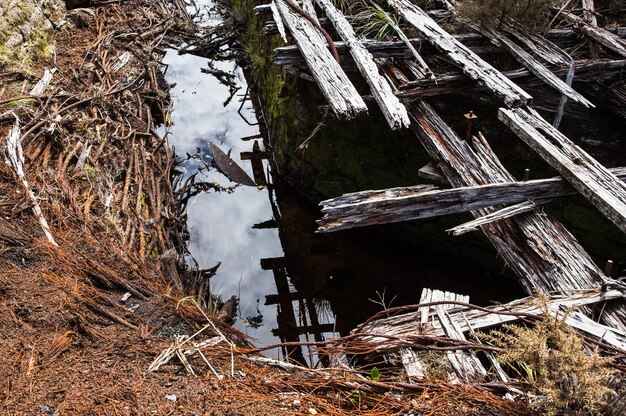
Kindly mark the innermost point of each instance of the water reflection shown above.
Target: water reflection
(293, 284)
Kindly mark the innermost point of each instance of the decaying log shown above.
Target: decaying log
(365, 208)
(602, 188)
(393, 111)
(469, 62)
(332, 81)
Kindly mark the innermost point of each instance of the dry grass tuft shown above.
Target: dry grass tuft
(552, 358)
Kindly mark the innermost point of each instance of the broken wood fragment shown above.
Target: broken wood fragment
(602, 188)
(390, 105)
(602, 36)
(333, 82)
(365, 208)
(469, 62)
(537, 68)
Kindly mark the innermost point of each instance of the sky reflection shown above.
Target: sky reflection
(220, 224)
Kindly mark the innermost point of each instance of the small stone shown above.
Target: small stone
(124, 298)
(312, 411)
(171, 397)
(296, 402)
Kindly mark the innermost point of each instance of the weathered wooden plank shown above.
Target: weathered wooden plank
(469, 319)
(549, 259)
(469, 62)
(498, 215)
(280, 26)
(394, 112)
(603, 37)
(540, 46)
(598, 331)
(438, 14)
(602, 188)
(467, 365)
(360, 209)
(424, 70)
(537, 68)
(332, 81)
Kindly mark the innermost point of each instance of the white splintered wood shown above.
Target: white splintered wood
(466, 318)
(603, 37)
(537, 68)
(500, 214)
(601, 332)
(395, 113)
(602, 188)
(360, 209)
(332, 81)
(468, 61)
(411, 362)
(279, 21)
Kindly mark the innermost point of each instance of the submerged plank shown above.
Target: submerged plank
(469, 62)
(602, 188)
(332, 81)
(391, 107)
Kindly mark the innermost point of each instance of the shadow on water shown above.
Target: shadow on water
(293, 284)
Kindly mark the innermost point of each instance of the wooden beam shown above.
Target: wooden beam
(390, 105)
(602, 36)
(602, 188)
(469, 62)
(360, 209)
(332, 81)
(540, 251)
(536, 67)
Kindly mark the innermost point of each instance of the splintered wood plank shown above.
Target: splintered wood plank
(602, 188)
(280, 26)
(332, 81)
(537, 68)
(395, 113)
(364, 208)
(469, 319)
(602, 36)
(468, 61)
(538, 249)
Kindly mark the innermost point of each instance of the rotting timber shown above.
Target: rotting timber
(542, 253)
